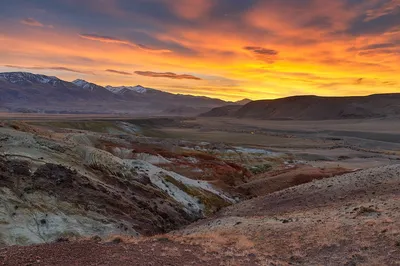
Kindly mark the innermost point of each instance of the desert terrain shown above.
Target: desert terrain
(115, 190)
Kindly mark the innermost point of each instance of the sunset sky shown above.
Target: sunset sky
(230, 49)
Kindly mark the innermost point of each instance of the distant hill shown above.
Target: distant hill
(27, 92)
(228, 110)
(243, 102)
(314, 108)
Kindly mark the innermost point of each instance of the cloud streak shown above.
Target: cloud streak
(118, 72)
(169, 75)
(114, 40)
(34, 23)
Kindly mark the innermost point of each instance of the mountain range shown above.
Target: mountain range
(34, 93)
(27, 92)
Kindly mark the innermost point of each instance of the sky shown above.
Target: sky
(228, 49)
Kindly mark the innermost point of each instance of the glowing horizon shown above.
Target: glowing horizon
(257, 49)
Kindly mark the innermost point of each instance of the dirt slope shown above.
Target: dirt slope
(352, 219)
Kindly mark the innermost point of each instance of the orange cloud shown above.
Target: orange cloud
(166, 75)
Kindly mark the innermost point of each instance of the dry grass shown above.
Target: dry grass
(218, 241)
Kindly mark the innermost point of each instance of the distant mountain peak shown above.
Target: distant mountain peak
(23, 78)
(243, 101)
(121, 90)
(86, 85)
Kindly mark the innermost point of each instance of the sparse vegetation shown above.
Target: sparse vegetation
(260, 169)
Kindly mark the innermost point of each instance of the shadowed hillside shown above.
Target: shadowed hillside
(315, 108)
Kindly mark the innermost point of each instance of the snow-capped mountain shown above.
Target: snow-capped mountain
(84, 84)
(25, 78)
(121, 90)
(87, 85)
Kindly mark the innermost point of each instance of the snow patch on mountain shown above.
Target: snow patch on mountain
(124, 89)
(85, 85)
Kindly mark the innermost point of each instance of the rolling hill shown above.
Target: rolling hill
(314, 108)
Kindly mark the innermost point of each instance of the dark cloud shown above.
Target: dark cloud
(261, 50)
(382, 8)
(267, 55)
(379, 25)
(60, 68)
(166, 75)
(379, 46)
(118, 72)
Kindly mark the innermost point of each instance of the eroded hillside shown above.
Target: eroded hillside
(66, 183)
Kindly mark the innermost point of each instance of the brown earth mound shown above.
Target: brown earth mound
(279, 180)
